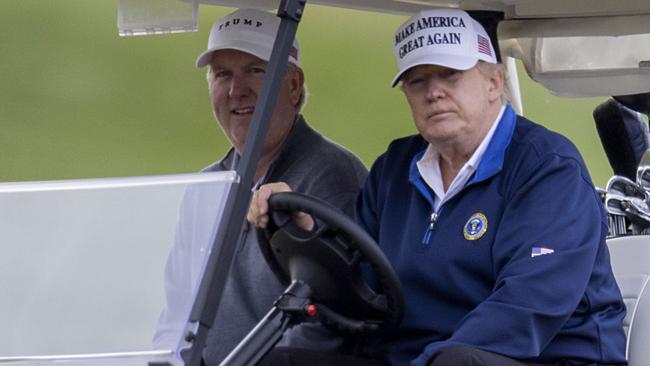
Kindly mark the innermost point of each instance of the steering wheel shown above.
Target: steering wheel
(352, 283)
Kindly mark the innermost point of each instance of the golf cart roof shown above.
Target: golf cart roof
(560, 43)
(512, 8)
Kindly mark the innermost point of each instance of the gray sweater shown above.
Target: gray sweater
(308, 163)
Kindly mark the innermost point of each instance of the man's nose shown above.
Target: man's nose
(238, 86)
(435, 89)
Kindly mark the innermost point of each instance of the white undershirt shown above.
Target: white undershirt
(429, 168)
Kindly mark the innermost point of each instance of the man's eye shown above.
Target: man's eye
(219, 74)
(415, 81)
(257, 70)
(450, 73)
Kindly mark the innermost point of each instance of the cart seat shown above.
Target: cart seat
(631, 264)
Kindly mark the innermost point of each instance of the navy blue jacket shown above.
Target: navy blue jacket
(516, 263)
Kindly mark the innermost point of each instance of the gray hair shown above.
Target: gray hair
(303, 93)
(487, 69)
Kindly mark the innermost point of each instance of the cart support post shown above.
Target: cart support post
(221, 257)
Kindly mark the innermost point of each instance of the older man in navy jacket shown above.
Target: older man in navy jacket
(491, 221)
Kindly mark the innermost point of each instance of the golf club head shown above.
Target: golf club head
(622, 186)
(616, 220)
(639, 209)
(639, 216)
(643, 177)
(634, 209)
(643, 171)
(614, 204)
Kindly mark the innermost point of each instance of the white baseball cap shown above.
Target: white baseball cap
(444, 37)
(247, 30)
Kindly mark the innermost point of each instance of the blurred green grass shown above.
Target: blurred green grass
(77, 101)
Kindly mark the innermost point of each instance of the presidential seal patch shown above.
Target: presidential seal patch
(475, 227)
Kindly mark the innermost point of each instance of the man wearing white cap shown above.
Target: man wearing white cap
(239, 48)
(491, 221)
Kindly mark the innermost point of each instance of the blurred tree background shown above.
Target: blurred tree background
(77, 101)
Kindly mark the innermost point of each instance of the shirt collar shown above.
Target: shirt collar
(485, 162)
(492, 160)
(429, 167)
(475, 160)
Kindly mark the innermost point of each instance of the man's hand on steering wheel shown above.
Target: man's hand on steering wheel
(332, 258)
(258, 211)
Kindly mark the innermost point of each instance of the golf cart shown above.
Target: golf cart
(545, 37)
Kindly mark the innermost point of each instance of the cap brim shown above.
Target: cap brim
(451, 61)
(204, 58)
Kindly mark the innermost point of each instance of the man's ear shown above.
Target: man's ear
(296, 82)
(497, 83)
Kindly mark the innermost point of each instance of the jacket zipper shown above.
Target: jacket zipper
(429, 230)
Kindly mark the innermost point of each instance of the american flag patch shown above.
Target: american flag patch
(484, 45)
(537, 251)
